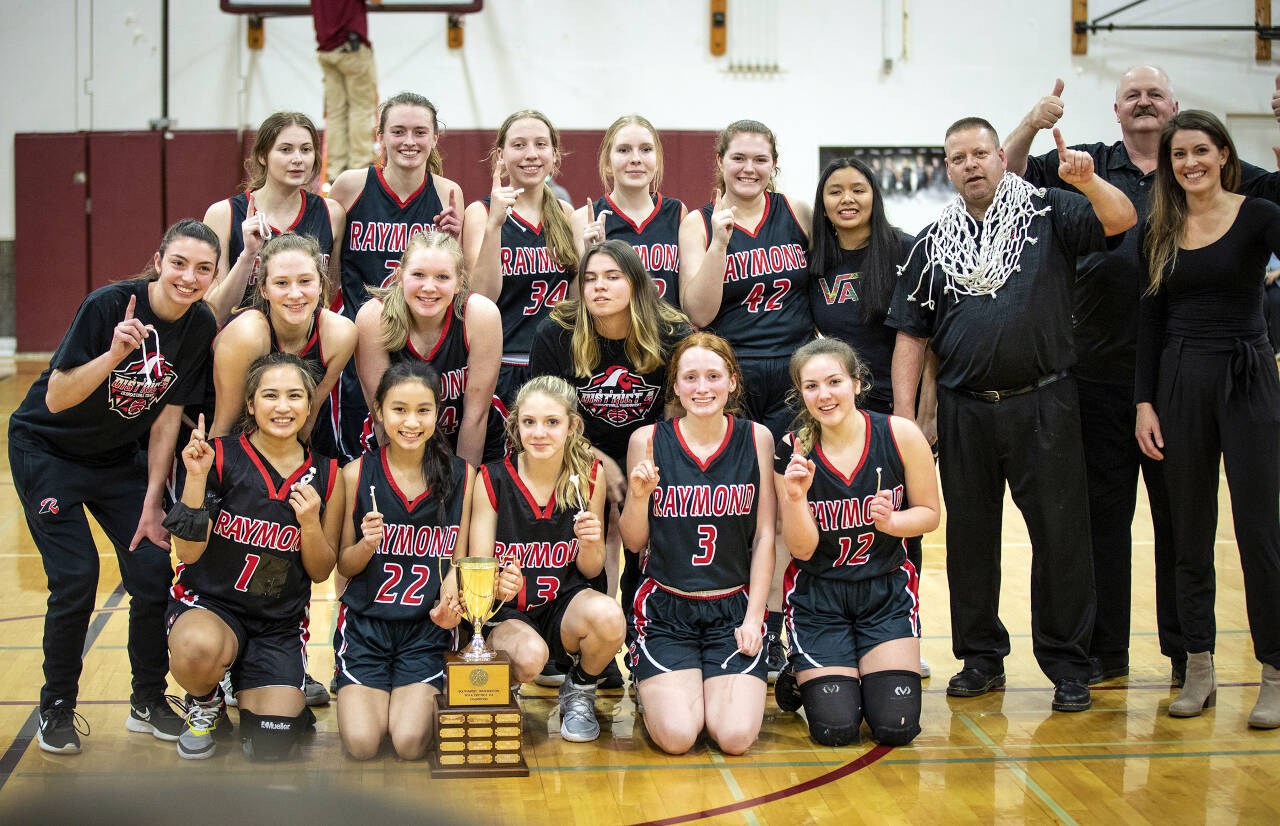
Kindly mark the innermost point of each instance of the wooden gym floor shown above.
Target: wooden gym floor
(1004, 757)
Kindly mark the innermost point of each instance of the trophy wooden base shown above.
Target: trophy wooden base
(485, 683)
(478, 741)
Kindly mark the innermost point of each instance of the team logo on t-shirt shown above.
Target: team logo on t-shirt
(843, 289)
(618, 396)
(133, 388)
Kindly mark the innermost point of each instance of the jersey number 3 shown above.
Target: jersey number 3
(706, 545)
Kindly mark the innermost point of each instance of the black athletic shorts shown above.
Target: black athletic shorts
(269, 652)
(675, 632)
(387, 654)
(545, 619)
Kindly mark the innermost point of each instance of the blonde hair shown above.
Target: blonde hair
(578, 459)
(744, 127)
(397, 319)
(288, 242)
(807, 429)
(558, 232)
(714, 344)
(606, 149)
(651, 318)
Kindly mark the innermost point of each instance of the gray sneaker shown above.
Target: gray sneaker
(578, 713)
(196, 743)
(315, 692)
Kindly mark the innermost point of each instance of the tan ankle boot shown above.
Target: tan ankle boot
(1266, 712)
(1200, 691)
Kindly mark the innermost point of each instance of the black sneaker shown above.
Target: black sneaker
(156, 717)
(611, 677)
(973, 682)
(58, 730)
(315, 692)
(1071, 695)
(1101, 672)
(786, 693)
(775, 656)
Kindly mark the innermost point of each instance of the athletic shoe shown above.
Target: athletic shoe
(578, 713)
(228, 691)
(333, 685)
(786, 693)
(58, 730)
(925, 671)
(1071, 695)
(973, 682)
(156, 717)
(775, 656)
(635, 694)
(315, 692)
(611, 677)
(203, 720)
(552, 675)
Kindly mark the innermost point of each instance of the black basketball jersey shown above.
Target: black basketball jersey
(764, 310)
(532, 282)
(541, 539)
(656, 240)
(253, 562)
(449, 358)
(312, 219)
(849, 546)
(312, 353)
(379, 226)
(402, 579)
(702, 515)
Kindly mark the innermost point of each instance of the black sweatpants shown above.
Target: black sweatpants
(1032, 441)
(54, 494)
(1222, 402)
(1112, 459)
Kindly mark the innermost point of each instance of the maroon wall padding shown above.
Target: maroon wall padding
(127, 218)
(200, 167)
(51, 235)
(688, 160)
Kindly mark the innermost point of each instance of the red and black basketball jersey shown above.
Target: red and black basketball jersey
(656, 240)
(378, 227)
(849, 546)
(702, 515)
(449, 358)
(764, 310)
(402, 579)
(312, 353)
(253, 562)
(540, 538)
(532, 282)
(312, 219)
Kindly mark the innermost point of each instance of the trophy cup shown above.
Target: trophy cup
(477, 722)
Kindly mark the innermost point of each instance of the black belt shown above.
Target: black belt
(994, 396)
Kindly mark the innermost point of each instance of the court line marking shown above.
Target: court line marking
(1016, 769)
(13, 754)
(726, 774)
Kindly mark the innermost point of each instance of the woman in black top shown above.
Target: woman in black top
(1207, 391)
(134, 355)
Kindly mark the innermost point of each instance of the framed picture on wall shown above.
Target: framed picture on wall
(913, 180)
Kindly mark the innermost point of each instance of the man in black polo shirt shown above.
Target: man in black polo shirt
(989, 288)
(1105, 320)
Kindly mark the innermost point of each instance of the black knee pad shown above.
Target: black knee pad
(833, 707)
(271, 737)
(891, 702)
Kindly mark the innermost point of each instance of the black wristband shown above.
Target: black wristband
(187, 523)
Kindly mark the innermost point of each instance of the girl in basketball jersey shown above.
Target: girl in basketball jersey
(429, 314)
(852, 485)
(287, 317)
(701, 500)
(285, 160)
(634, 210)
(258, 522)
(518, 240)
(541, 509)
(403, 193)
(411, 508)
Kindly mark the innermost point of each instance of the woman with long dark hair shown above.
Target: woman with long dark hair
(1207, 391)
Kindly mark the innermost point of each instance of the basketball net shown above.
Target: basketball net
(977, 260)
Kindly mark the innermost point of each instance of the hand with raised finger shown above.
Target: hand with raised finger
(254, 231)
(722, 220)
(449, 221)
(1048, 110)
(644, 479)
(594, 232)
(1074, 167)
(129, 333)
(502, 198)
(197, 456)
(798, 477)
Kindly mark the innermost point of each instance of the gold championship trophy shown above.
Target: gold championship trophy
(477, 722)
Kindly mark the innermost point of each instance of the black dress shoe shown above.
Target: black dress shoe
(972, 682)
(1102, 671)
(1071, 695)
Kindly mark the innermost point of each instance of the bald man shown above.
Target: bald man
(1105, 326)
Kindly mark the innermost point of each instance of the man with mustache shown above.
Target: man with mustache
(1105, 316)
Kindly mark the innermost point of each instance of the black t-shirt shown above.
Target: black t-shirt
(1110, 282)
(104, 429)
(1023, 332)
(1214, 293)
(837, 311)
(615, 399)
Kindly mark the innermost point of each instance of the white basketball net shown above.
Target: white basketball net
(978, 262)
